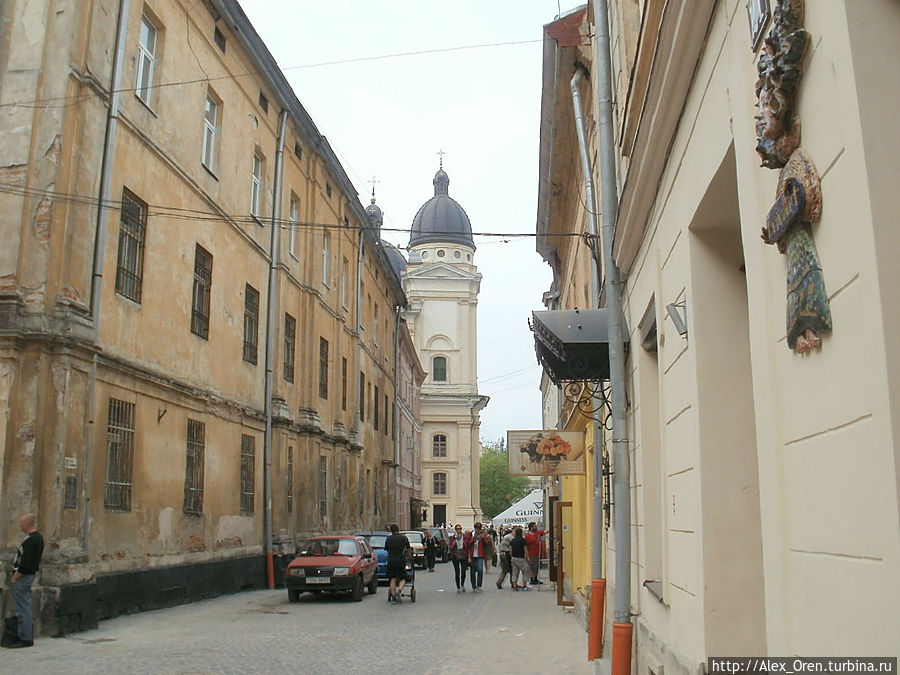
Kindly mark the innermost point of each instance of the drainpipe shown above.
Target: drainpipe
(109, 146)
(270, 348)
(598, 581)
(622, 626)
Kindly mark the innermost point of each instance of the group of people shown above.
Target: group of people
(518, 553)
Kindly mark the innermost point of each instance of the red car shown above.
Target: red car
(333, 564)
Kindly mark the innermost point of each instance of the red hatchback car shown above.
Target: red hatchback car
(333, 564)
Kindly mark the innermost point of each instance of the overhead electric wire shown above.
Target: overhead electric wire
(65, 101)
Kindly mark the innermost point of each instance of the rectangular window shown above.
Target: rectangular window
(439, 484)
(193, 469)
(326, 257)
(251, 323)
(362, 397)
(290, 338)
(375, 326)
(293, 225)
(200, 302)
(345, 277)
(323, 487)
(210, 131)
(132, 233)
(362, 490)
(439, 445)
(263, 102)
(219, 39)
(290, 480)
(248, 473)
(343, 383)
(385, 415)
(119, 455)
(393, 421)
(256, 186)
(298, 150)
(323, 367)
(375, 410)
(146, 60)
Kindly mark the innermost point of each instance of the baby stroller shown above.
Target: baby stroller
(409, 590)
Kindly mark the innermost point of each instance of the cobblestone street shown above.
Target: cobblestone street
(261, 632)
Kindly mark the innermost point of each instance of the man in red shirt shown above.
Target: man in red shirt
(533, 544)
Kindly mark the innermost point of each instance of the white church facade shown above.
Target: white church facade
(441, 284)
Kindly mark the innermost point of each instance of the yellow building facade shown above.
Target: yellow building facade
(763, 469)
(198, 323)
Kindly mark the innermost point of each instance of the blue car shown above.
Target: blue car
(376, 541)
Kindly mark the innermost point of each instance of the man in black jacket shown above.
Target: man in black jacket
(25, 567)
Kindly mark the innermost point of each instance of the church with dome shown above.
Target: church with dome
(441, 284)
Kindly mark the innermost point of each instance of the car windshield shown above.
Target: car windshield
(330, 547)
(377, 540)
(414, 537)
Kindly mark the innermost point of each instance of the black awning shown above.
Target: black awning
(572, 344)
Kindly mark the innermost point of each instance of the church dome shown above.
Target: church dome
(441, 220)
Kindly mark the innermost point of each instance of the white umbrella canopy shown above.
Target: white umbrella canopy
(530, 507)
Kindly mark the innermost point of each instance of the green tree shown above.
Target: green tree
(499, 490)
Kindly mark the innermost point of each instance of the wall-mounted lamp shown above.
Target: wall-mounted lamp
(677, 321)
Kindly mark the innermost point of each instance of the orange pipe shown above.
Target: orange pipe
(621, 656)
(270, 570)
(595, 626)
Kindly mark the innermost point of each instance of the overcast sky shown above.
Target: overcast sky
(388, 117)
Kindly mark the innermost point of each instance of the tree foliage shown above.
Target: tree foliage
(499, 490)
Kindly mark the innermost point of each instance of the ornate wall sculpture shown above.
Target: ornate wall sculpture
(798, 198)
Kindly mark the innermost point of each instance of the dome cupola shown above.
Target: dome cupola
(441, 220)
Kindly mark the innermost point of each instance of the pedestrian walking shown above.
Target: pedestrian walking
(398, 550)
(505, 563)
(431, 547)
(490, 551)
(459, 557)
(476, 552)
(25, 567)
(518, 551)
(533, 539)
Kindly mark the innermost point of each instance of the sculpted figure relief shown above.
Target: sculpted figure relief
(798, 198)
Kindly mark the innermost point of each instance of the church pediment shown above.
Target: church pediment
(439, 271)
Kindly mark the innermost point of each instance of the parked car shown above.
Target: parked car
(333, 564)
(417, 543)
(376, 541)
(443, 541)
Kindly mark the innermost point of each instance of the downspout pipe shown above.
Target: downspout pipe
(270, 346)
(109, 148)
(598, 581)
(622, 626)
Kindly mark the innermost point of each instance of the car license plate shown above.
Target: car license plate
(318, 580)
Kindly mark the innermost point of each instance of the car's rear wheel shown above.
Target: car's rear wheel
(356, 591)
(293, 595)
(373, 585)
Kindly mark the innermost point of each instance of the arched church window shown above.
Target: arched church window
(439, 445)
(439, 369)
(439, 484)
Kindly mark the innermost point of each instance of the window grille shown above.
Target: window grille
(146, 60)
(200, 307)
(251, 323)
(439, 484)
(290, 480)
(210, 131)
(290, 340)
(439, 369)
(323, 368)
(193, 471)
(132, 232)
(248, 473)
(439, 445)
(323, 486)
(119, 455)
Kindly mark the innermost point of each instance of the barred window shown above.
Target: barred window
(323, 367)
(290, 480)
(248, 473)
(119, 455)
(323, 486)
(439, 445)
(290, 341)
(439, 483)
(251, 323)
(132, 232)
(343, 383)
(193, 471)
(200, 302)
